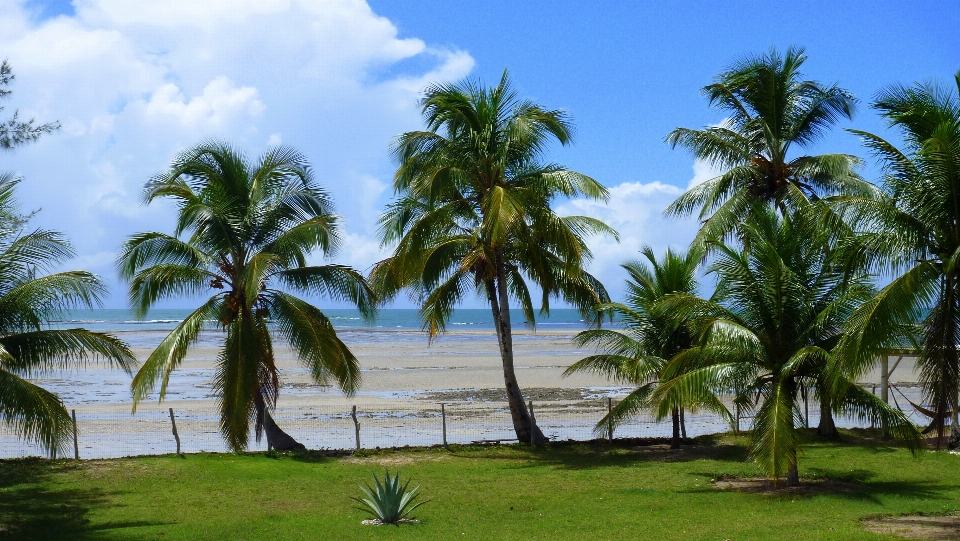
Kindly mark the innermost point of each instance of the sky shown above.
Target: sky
(135, 82)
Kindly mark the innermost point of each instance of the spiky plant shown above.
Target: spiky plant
(390, 502)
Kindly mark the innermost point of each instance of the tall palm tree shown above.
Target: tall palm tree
(474, 215)
(650, 337)
(249, 228)
(914, 228)
(778, 312)
(771, 110)
(29, 300)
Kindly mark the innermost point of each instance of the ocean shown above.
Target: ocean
(391, 325)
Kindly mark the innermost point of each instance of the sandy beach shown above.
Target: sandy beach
(405, 379)
(457, 367)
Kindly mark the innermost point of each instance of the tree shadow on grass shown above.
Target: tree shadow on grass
(855, 485)
(600, 454)
(31, 510)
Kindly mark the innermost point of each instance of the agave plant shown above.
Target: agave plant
(390, 502)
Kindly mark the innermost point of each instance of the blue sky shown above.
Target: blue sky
(135, 82)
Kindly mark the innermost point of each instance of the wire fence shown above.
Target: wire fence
(110, 431)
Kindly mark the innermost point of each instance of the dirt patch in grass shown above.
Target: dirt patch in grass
(762, 485)
(928, 528)
(398, 459)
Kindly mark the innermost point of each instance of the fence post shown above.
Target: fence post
(736, 409)
(76, 444)
(356, 425)
(533, 425)
(609, 420)
(806, 407)
(443, 414)
(885, 390)
(176, 436)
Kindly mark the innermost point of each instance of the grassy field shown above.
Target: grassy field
(569, 491)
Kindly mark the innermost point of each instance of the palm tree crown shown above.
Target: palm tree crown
(914, 227)
(250, 227)
(474, 214)
(28, 301)
(770, 109)
(777, 314)
(650, 337)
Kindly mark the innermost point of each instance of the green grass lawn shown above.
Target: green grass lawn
(569, 491)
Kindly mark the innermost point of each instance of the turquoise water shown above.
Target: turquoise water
(389, 326)
(393, 319)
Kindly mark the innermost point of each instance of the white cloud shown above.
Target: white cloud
(635, 210)
(218, 104)
(135, 82)
(702, 172)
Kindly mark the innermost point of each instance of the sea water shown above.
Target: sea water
(391, 325)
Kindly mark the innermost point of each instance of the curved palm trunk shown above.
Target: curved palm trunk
(276, 437)
(500, 305)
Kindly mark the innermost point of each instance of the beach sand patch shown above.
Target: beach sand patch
(762, 485)
(391, 460)
(927, 528)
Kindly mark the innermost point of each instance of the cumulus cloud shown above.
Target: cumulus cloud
(135, 82)
(635, 210)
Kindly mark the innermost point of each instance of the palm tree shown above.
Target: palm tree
(777, 314)
(251, 226)
(649, 338)
(914, 228)
(770, 109)
(28, 302)
(474, 215)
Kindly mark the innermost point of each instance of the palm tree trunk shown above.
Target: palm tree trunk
(675, 440)
(954, 442)
(683, 425)
(827, 427)
(793, 475)
(276, 437)
(500, 305)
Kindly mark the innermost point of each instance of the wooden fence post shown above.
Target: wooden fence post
(176, 436)
(76, 444)
(533, 425)
(609, 420)
(356, 425)
(885, 390)
(736, 409)
(806, 407)
(443, 414)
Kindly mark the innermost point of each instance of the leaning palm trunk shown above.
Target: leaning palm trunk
(522, 422)
(276, 438)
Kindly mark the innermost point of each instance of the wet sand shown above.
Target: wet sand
(405, 379)
(458, 367)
